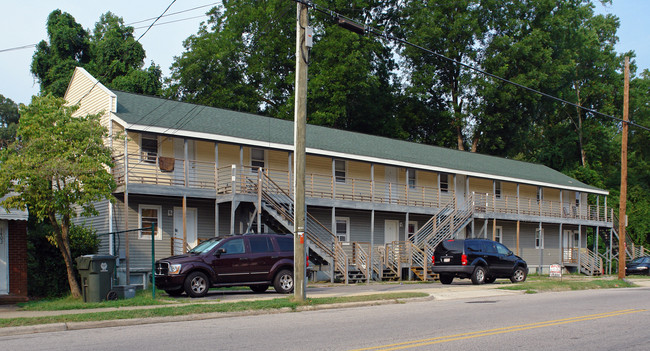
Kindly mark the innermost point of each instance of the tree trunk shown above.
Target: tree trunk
(62, 238)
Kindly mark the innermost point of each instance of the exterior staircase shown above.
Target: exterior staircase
(278, 205)
(445, 224)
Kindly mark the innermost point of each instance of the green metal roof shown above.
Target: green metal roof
(140, 110)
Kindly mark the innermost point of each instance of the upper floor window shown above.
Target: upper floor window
(412, 179)
(149, 148)
(444, 182)
(497, 189)
(340, 171)
(257, 159)
(577, 199)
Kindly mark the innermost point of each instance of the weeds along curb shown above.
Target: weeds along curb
(69, 326)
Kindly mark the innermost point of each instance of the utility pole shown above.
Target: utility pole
(300, 125)
(623, 199)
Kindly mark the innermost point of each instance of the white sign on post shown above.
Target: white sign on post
(556, 270)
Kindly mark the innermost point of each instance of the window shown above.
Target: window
(343, 228)
(444, 182)
(412, 229)
(497, 189)
(577, 199)
(257, 159)
(339, 171)
(234, 246)
(502, 250)
(498, 234)
(149, 214)
(149, 148)
(539, 238)
(412, 181)
(286, 244)
(260, 244)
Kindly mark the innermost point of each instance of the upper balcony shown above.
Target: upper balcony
(173, 176)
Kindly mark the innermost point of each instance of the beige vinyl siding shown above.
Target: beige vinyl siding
(426, 179)
(527, 191)
(204, 151)
(228, 155)
(551, 194)
(319, 165)
(277, 160)
(481, 185)
(95, 98)
(380, 173)
(166, 146)
(508, 190)
(358, 170)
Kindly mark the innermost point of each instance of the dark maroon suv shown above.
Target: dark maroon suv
(254, 260)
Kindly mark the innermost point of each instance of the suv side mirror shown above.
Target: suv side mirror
(510, 253)
(220, 251)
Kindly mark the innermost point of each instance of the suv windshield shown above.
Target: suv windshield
(205, 246)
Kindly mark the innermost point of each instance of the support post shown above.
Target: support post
(623, 196)
(300, 122)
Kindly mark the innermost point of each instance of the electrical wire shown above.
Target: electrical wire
(136, 41)
(376, 32)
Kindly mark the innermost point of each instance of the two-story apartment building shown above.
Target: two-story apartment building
(376, 206)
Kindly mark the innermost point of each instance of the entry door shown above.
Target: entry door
(179, 155)
(568, 245)
(178, 228)
(391, 184)
(460, 190)
(391, 231)
(4, 258)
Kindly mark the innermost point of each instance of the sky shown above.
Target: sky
(23, 23)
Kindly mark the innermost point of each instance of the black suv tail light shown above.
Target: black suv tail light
(433, 259)
(463, 260)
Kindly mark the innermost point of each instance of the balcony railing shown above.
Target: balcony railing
(489, 203)
(231, 179)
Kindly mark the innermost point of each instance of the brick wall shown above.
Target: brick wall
(17, 262)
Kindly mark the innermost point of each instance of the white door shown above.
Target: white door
(568, 244)
(179, 155)
(4, 258)
(191, 236)
(391, 184)
(460, 190)
(391, 231)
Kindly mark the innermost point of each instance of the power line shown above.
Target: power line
(174, 13)
(361, 28)
(136, 41)
(19, 48)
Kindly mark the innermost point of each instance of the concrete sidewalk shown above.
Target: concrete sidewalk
(435, 291)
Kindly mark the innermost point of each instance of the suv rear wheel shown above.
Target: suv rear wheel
(446, 279)
(196, 284)
(478, 277)
(259, 288)
(518, 276)
(283, 282)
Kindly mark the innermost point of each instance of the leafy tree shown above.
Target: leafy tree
(110, 53)
(8, 121)
(244, 59)
(57, 167)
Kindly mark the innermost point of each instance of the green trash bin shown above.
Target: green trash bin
(96, 277)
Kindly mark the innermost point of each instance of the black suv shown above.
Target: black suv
(479, 259)
(254, 260)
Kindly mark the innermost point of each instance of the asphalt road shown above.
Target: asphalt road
(580, 320)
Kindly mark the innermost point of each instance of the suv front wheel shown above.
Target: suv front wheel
(197, 284)
(478, 277)
(518, 276)
(283, 282)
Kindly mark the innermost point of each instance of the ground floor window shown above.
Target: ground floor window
(498, 234)
(343, 228)
(149, 214)
(539, 238)
(412, 229)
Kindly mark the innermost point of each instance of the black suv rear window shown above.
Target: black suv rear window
(453, 245)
